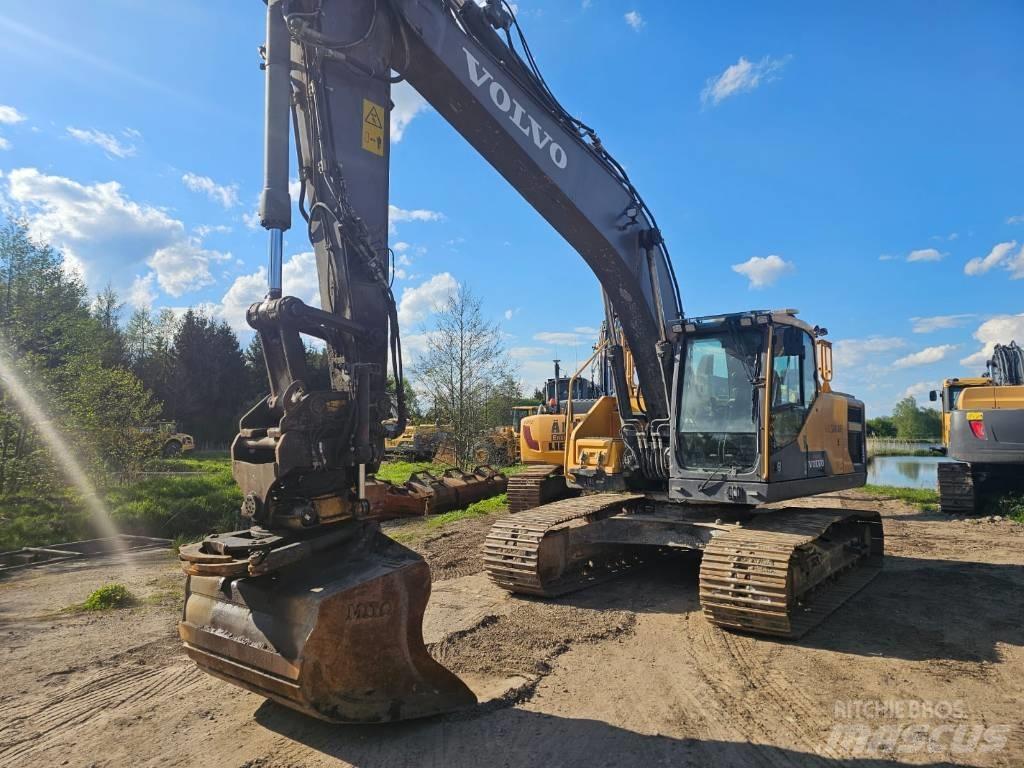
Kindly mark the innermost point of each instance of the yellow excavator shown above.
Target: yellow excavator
(541, 437)
(312, 605)
(983, 432)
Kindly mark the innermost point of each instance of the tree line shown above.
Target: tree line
(908, 421)
(107, 376)
(105, 380)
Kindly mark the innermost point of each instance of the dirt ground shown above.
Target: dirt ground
(925, 667)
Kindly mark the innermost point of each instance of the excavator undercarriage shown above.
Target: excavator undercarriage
(777, 572)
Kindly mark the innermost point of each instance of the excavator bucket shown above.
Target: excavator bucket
(336, 634)
(425, 493)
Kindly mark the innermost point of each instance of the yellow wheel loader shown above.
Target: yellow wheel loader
(311, 605)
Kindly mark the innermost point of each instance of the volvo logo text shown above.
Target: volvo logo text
(522, 119)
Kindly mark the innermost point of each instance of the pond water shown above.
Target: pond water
(905, 471)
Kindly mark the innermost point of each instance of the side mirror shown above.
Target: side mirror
(933, 395)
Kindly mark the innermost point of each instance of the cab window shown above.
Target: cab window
(794, 383)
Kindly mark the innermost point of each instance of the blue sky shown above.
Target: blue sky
(862, 163)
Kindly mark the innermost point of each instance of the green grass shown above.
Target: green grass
(476, 509)
(181, 507)
(925, 499)
(1010, 505)
(400, 471)
(198, 461)
(108, 597)
(185, 506)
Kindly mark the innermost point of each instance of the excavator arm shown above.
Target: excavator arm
(312, 606)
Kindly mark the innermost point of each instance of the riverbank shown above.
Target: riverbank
(890, 446)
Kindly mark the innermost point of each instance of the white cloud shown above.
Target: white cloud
(509, 314)
(851, 353)
(9, 115)
(108, 238)
(886, 257)
(407, 104)
(919, 389)
(924, 254)
(419, 302)
(108, 143)
(999, 256)
(207, 229)
(226, 195)
(103, 234)
(141, 293)
(251, 219)
(1015, 265)
(938, 322)
(1019, 219)
(522, 353)
(397, 215)
(579, 335)
(404, 253)
(298, 278)
(1001, 329)
(763, 271)
(742, 76)
(244, 291)
(184, 266)
(634, 20)
(949, 238)
(926, 356)
(4, 143)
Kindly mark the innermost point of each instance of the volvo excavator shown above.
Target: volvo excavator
(312, 605)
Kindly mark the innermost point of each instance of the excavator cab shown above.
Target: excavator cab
(754, 419)
(755, 415)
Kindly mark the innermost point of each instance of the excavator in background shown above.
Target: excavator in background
(983, 432)
(541, 435)
(417, 442)
(312, 605)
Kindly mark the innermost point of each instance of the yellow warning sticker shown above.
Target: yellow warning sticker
(373, 127)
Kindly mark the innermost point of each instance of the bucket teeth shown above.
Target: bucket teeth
(338, 635)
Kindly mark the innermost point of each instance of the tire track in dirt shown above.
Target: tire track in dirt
(35, 726)
(779, 700)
